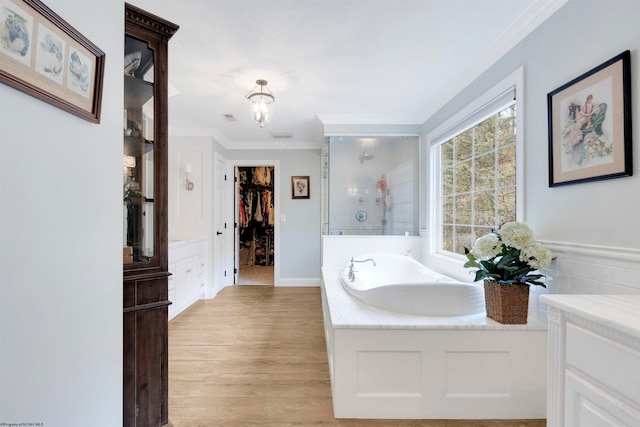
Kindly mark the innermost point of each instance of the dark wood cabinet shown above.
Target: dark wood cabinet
(145, 228)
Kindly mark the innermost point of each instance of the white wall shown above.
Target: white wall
(60, 246)
(603, 212)
(300, 233)
(190, 212)
(581, 219)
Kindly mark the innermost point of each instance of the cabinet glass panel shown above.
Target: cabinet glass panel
(138, 159)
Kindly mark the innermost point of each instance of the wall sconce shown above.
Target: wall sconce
(188, 184)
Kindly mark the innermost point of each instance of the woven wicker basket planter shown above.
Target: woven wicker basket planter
(508, 304)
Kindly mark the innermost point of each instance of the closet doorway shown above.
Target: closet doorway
(255, 255)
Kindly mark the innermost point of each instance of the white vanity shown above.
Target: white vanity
(187, 264)
(594, 360)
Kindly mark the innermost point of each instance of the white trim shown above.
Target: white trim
(522, 26)
(276, 228)
(369, 119)
(443, 131)
(270, 144)
(299, 282)
(274, 145)
(477, 116)
(612, 255)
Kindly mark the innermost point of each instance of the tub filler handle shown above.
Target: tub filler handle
(352, 273)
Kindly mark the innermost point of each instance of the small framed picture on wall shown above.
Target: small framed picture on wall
(299, 187)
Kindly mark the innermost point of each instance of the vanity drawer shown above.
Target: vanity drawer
(610, 363)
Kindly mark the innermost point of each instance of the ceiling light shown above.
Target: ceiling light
(261, 103)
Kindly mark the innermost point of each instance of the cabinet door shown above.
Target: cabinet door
(145, 373)
(139, 151)
(588, 405)
(145, 339)
(185, 277)
(151, 373)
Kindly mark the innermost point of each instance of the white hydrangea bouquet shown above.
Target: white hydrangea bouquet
(509, 255)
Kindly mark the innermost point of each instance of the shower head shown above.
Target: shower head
(365, 156)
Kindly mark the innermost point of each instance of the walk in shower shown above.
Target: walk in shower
(370, 185)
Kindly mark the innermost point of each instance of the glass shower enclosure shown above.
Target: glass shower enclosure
(370, 185)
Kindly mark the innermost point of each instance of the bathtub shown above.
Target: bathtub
(400, 284)
(387, 364)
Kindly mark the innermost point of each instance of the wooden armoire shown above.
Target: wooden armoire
(145, 228)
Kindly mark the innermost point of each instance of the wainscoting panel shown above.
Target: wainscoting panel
(588, 269)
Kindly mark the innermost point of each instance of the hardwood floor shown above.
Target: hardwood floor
(256, 356)
(255, 275)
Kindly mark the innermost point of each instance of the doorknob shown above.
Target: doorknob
(218, 233)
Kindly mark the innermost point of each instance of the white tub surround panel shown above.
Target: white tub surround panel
(390, 365)
(594, 354)
(188, 265)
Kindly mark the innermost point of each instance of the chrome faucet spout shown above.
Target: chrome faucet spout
(352, 273)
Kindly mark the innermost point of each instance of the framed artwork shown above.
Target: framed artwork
(299, 187)
(590, 125)
(43, 56)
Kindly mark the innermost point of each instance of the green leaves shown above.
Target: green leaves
(505, 268)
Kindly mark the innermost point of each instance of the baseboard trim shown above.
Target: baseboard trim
(302, 282)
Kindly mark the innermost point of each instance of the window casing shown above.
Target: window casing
(476, 172)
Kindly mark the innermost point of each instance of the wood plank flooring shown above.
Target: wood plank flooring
(256, 356)
(255, 275)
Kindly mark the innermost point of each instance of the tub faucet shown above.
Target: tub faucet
(352, 273)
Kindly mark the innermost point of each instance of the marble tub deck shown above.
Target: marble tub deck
(348, 313)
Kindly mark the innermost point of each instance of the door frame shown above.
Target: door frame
(233, 211)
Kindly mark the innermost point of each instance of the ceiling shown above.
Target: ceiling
(330, 61)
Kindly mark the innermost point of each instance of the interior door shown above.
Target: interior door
(236, 231)
(220, 226)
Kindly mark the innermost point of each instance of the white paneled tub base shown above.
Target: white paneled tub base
(387, 365)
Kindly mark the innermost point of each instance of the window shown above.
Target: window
(475, 171)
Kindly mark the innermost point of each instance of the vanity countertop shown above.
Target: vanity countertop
(620, 312)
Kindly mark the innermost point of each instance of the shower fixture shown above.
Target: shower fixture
(365, 156)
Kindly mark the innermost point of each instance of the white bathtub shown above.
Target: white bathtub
(400, 284)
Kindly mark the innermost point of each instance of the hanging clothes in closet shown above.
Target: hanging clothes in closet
(256, 205)
(256, 213)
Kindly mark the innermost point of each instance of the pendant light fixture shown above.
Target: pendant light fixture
(261, 103)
